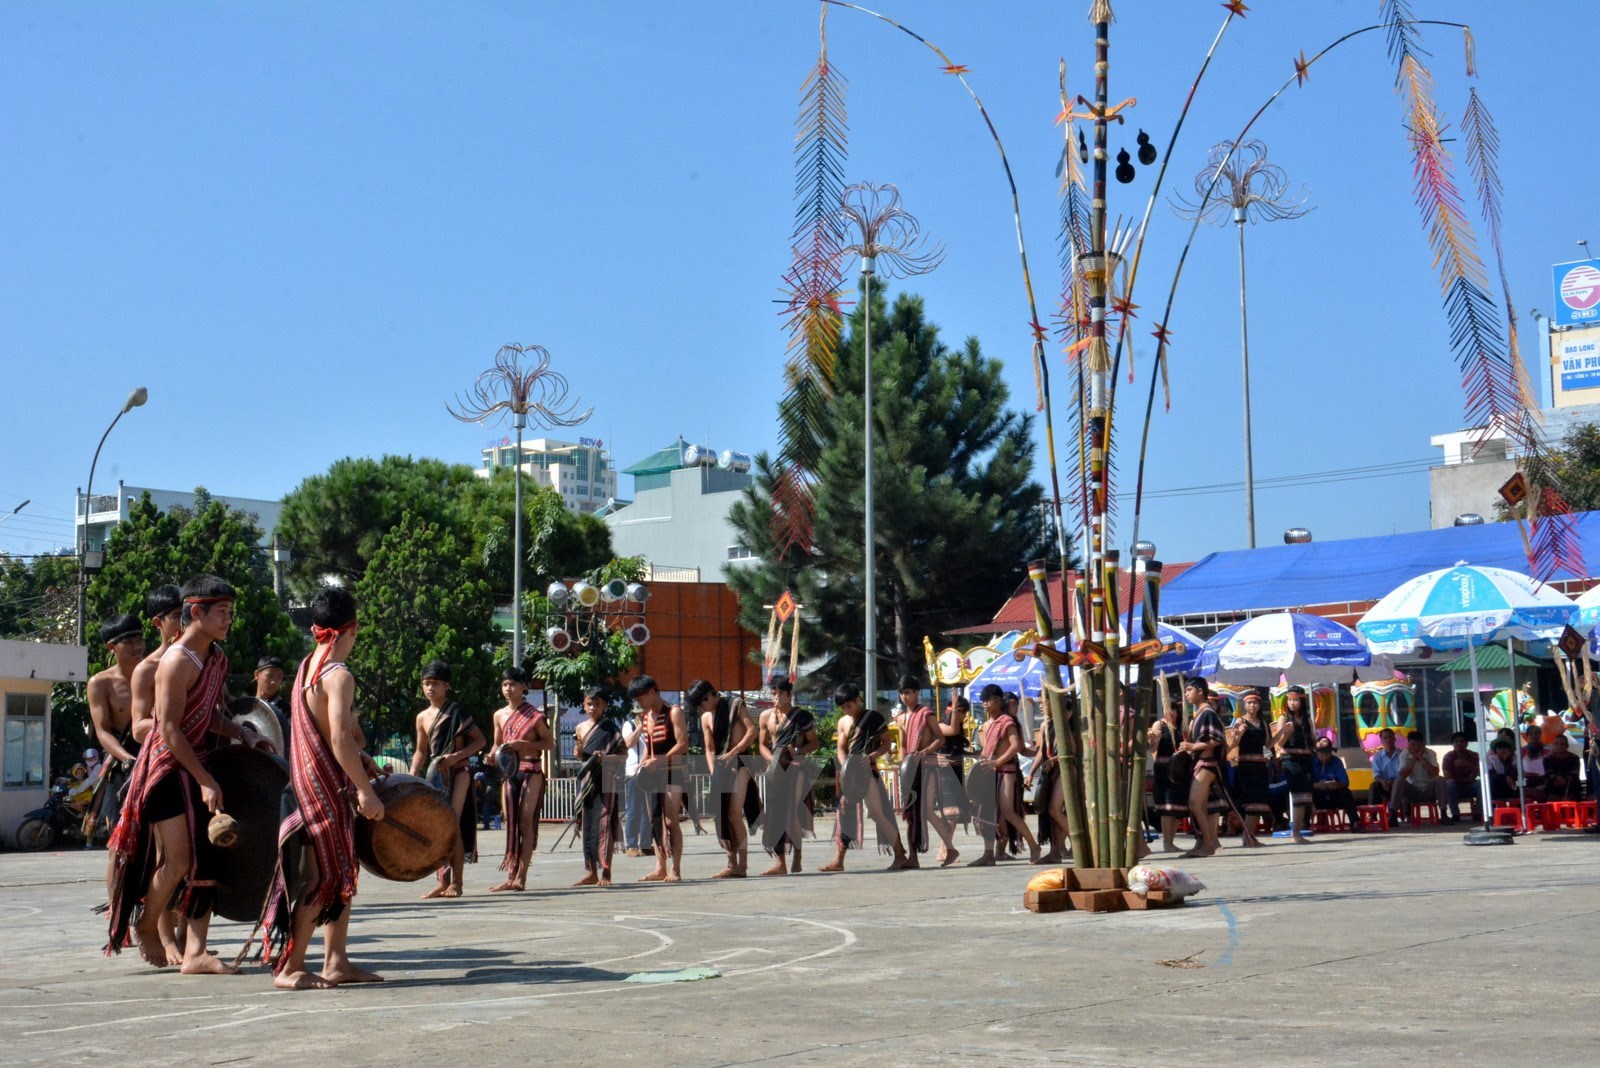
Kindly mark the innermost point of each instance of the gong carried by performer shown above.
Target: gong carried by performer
(252, 784)
(415, 836)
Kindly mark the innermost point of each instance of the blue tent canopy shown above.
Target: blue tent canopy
(1354, 569)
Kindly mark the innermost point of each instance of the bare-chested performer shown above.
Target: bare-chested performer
(863, 737)
(171, 793)
(110, 695)
(729, 735)
(315, 883)
(447, 739)
(660, 775)
(997, 779)
(787, 734)
(523, 732)
(598, 743)
(920, 742)
(163, 610)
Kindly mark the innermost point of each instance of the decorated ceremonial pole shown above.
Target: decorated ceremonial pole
(1149, 578)
(1068, 747)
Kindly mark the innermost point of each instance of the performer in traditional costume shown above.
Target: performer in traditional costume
(521, 738)
(1293, 736)
(863, 737)
(728, 734)
(447, 739)
(315, 882)
(661, 775)
(1248, 737)
(598, 744)
(1208, 790)
(163, 610)
(1048, 797)
(952, 786)
(1171, 800)
(920, 742)
(997, 779)
(160, 854)
(110, 695)
(787, 734)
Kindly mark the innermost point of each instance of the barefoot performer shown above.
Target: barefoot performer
(1207, 790)
(863, 736)
(661, 775)
(787, 734)
(1002, 742)
(921, 741)
(1048, 798)
(447, 738)
(598, 743)
(728, 735)
(522, 731)
(163, 610)
(316, 878)
(110, 696)
(171, 793)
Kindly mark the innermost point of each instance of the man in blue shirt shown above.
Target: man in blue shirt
(1385, 762)
(1330, 784)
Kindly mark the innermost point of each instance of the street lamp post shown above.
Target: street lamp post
(1252, 190)
(883, 231)
(135, 399)
(520, 390)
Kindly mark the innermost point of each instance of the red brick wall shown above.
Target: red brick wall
(695, 634)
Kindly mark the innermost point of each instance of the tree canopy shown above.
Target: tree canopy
(957, 512)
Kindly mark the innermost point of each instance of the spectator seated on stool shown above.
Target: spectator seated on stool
(1502, 771)
(1561, 780)
(1533, 769)
(1460, 776)
(1330, 784)
(1385, 761)
(1420, 780)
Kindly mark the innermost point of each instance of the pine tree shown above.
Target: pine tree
(957, 512)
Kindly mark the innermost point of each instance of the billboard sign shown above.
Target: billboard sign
(1577, 360)
(1577, 293)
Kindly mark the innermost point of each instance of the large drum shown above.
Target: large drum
(428, 837)
(252, 784)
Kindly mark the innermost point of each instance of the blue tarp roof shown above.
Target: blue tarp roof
(1356, 569)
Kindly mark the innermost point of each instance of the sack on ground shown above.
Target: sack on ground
(1143, 878)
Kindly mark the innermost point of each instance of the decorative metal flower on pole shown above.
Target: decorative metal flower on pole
(520, 384)
(890, 242)
(1248, 188)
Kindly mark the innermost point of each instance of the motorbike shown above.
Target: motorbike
(57, 822)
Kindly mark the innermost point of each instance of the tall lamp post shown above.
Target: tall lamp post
(519, 389)
(135, 399)
(1250, 189)
(889, 241)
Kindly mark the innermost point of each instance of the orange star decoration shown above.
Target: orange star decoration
(1038, 331)
(1237, 7)
(955, 68)
(1161, 335)
(1122, 306)
(1302, 68)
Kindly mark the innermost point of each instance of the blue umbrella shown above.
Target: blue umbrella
(1026, 676)
(1297, 646)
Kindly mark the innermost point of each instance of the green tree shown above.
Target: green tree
(556, 542)
(154, 547)
(333, 523)
(957, 513)
(38, 598)
(423, 598)
(1574, 466)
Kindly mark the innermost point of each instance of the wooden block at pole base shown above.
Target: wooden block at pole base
(1097, 878)
(1155, 899)
(1046, 901)
(1097, 900)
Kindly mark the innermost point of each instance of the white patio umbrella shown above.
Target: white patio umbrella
(1297, 646)
(1466, 606)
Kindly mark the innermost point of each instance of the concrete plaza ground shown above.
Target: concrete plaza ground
(1403, 948)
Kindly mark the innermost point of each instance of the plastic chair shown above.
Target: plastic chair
(1329, 819)
(1425, 812)
(1373, 817)
(1540, 814)
(1588, 813)
(1508, 816)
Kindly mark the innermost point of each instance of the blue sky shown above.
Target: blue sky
(305, 226)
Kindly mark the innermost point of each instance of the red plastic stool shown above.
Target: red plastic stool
(1588, 813)
(1566, 813)
(1373, 816)
(1508, 816)
(1540, 814)
(1430, 816)
(1329, 819)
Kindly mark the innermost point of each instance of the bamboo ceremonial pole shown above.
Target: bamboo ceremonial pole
(1111, 745)
(1068, 752)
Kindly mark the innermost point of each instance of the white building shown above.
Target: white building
(678, 519)
(27, 670)
(580, 471)
(108, 509)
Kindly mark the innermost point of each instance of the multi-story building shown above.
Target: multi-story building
(106, 510)
(580, 471)
(678, 519)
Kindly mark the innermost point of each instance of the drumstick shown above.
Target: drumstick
(410, 832)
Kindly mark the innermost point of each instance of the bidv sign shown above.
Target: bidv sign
(1577, 292)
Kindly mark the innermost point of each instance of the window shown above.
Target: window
(739, 552)
(24, 741)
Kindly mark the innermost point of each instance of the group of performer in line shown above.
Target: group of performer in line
(154, 714)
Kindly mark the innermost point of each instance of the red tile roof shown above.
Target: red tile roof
(1017, 612)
